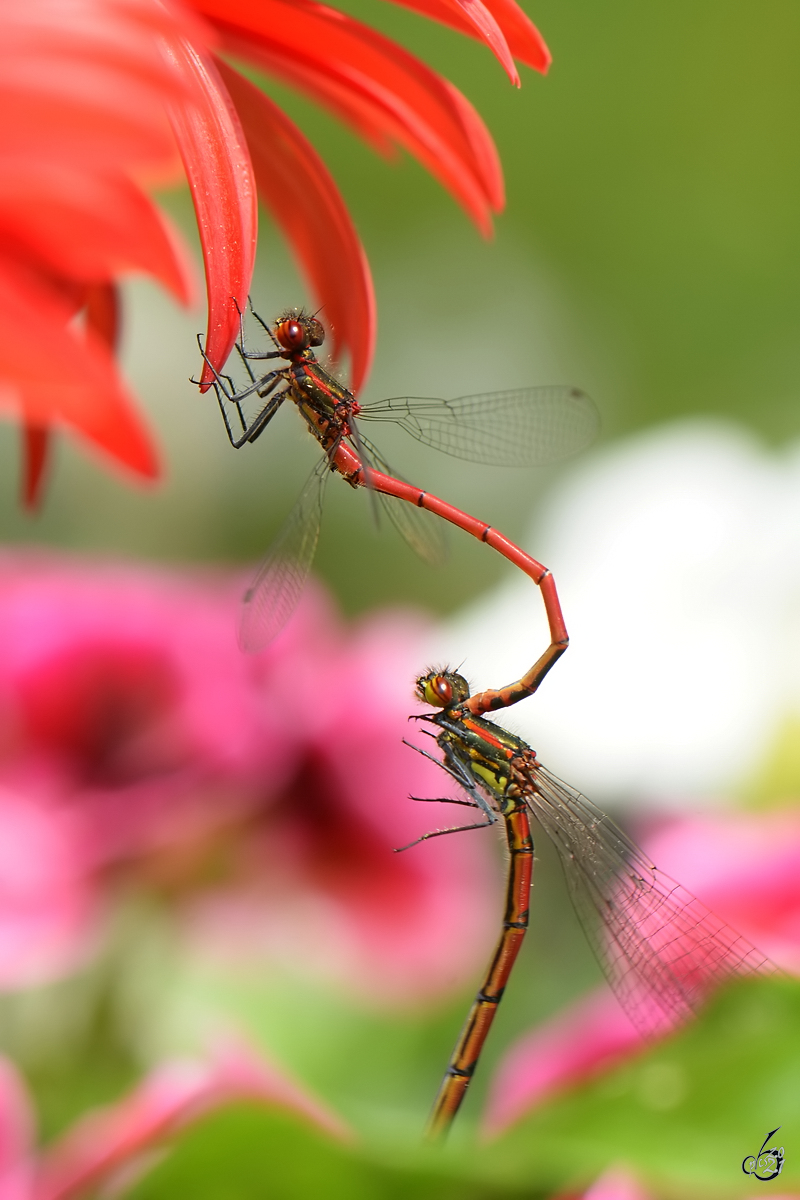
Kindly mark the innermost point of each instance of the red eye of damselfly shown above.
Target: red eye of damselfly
(291, 335)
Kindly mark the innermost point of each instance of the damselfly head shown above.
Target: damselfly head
(298, 330)
(442, 689)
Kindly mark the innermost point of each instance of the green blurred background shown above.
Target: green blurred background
(649, 253)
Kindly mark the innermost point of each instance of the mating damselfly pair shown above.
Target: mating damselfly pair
(662, 951)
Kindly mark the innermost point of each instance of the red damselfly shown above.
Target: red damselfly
(662, 951)
(525, 427)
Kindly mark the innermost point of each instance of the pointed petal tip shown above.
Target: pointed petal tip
(302, 196)
(36, 446)
(220, 173)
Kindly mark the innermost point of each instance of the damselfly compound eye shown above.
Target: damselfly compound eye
(291, 335)
(442, 688)
(316, 333)
(435, 689)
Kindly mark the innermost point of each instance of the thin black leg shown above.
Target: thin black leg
(441, 832)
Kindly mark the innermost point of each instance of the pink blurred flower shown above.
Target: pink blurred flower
(617, 1183)
(47, 902)
(586, 1039)
(16, 1136)
(321, 881)
(140, 746)
(122, 687)
(746, 869)
(132, 728)
(118, 1143)
(89, 91)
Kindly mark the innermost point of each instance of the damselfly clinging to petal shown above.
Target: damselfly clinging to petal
(524, 427)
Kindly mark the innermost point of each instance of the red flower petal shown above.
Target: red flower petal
(301, 194)
(75, 383)
(102, 313)
(526, 43)
(367, 119)
(87, 80)
(171, 1098)
(87, 226)
(102, 317)
(474, 18)
(220, 176)
(35, 453)
(369, 81)
(519, 32)
(483, 148)
(83, 89)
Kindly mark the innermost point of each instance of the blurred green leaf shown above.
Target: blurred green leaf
(682, 1116)
(685, 1114)
(776, 779)
(248, 1155)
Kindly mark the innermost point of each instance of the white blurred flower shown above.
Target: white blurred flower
(677, 559)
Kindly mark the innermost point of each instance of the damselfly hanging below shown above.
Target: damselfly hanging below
(662, 951)
(525, 427)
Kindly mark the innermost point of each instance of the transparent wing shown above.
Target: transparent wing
(276, 590)
(526, 427)
(419, 529)
(662, 951)
(366, 462)
(423, 531)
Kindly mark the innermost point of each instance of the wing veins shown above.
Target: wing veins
(520, 427)
(421, 530)
(280, 579)
(665, 950)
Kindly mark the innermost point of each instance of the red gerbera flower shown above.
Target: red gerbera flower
(88, 92)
